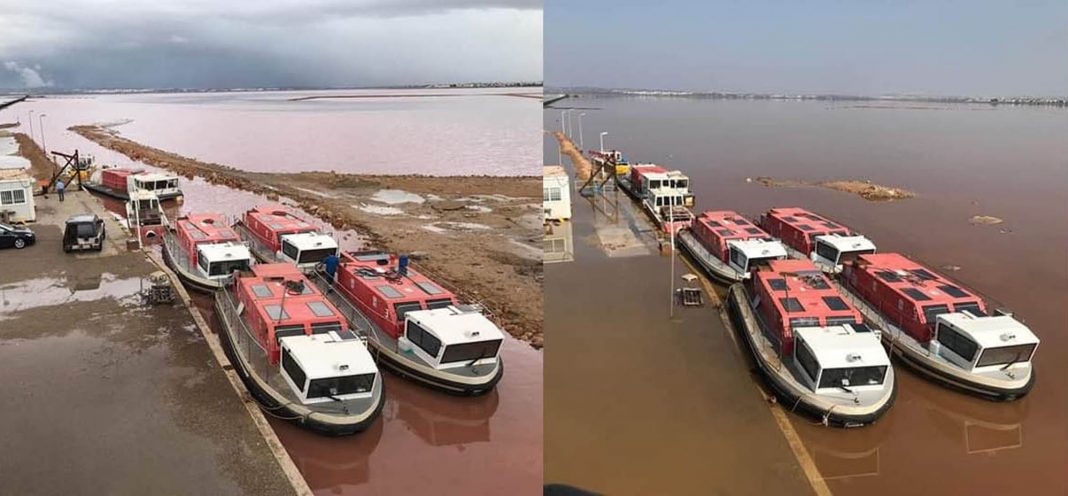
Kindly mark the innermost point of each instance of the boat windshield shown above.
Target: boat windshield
(467, 352)
(1005, 355)
(759, 262)
(852, 376)
(340, 386)
(227, 267)
(315, 256)
(850, 256)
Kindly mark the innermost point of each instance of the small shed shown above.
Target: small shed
(556, 189)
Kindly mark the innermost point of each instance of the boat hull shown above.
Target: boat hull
(914, 355)
(789, 395)
(190, 279)
(712, 266)
(277, 405)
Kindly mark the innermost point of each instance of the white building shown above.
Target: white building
(556, 191)
(16, 185)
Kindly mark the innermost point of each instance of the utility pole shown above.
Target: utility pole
(40, 120)
(582, 145)
(603, 134)
(31, 125)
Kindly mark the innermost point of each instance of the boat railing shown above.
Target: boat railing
(486, 311)
(178, 254)
(359, 322)
(243, 338)
(254, 243)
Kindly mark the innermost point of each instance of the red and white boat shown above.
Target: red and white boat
(204, 251)
(417, 328)
(665, 195)
(940, 329)
(727, 246)
(810, 236)
(120, 182)
(818, 355)
(295, 352)
(277, 234)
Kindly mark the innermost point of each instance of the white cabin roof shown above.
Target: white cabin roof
(759, 248)
(454, 325)
(310, 241)
(840, 347)
(847, 243)
(991, 331)
(221, 252)
(327, 355)
(154, 176)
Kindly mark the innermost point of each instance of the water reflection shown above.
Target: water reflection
(460, 424)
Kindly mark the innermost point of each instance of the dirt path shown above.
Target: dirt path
(40, 166)
(480, 236)
(583, 168)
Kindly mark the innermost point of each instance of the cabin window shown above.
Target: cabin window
(434, 304)
(807, 360)
(792, 305)
(737, 258)
(340, 386)
(916, 294)
(850, 256)
(804, 322)
(202, 261)
(1005, 355)
(777, 284)
(427, 342)
(888, 276)
(289, 250)
(654, 184)
(970, 307)
(753, 230)
(953, 291)
(957, 342)
(923, 274)
(827, 251)
(320, 309)
(835, 303)
(285, 331)
(315, 256)
(468, 352)
(854, 376)
(325, 327)
(933, 311)
(261, 291)
(293, 370)
(841, 320)
(403, 308)
(551, 194)
(275, 312)
(227, 267)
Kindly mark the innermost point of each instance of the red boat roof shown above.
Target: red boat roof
(266, 287)
(727, 224)
(649, 169)
(914, 281)
(808, 222)
(122, 172)
(803, 291)
(378, 274)
(280, 219)
(206, 228)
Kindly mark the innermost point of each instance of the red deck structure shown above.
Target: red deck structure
(908, 294)
(715, 228)
(798, 228)
(196, 229)
(269, 222)
(116, 178)
(375, 282)
(795, 293)
(279, 301)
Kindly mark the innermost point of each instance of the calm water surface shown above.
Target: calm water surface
(961, 161)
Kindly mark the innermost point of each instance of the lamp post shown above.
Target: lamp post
(570, 126)
(31, 125)
(582, 145)
(40, 120)
(603, 134)
(563, 122)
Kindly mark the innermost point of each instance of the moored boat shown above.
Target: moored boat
(145, 216)
(417, 328)
(942, 330)
(727, 246)
(807, 235)
(812, 346)
(204, 251)
(664, 195)
(276, 233)
(613, 158)
(120, 182)
(295, 352)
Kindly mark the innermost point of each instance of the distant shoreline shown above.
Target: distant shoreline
(715, 95)
(38, 92)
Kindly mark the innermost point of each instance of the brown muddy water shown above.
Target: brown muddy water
(961, 161)
(425, 440)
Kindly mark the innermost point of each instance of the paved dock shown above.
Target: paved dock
(105, 395)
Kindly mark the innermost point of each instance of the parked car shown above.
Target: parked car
(16, 237)
(84, 232)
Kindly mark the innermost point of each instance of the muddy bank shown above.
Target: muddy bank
(479, 235)
(40, 166)
(583, 168)
(864, 189)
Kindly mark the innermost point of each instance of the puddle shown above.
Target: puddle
(379, 209)
(396, 196)
(48, 291)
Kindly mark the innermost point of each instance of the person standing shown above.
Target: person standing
(330, 264)
(59, 189)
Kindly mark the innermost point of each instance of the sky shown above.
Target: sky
(855, 47)
(61, 44)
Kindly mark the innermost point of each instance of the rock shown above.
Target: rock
(985, 220)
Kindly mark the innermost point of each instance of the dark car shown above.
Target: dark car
(84, 232)
(16, 237)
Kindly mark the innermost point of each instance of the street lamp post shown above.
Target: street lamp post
(570, 126)
(603, 134)
(563, 122)
(31, 125)
(582, 145)
(40, 120)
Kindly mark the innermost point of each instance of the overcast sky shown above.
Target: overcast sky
(861, 47)
(266, 43)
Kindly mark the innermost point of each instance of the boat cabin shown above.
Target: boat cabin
(832, 251)
(798, 228)
(117, 178)
(163, 185)
(328, 367)
(385, 288)
(213, 247)
(288, 236)
(935, 311)
(670, 187)
(736, 241)
(454, 336)
(810, 323)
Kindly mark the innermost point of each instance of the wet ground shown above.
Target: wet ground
(104, 395)
(960, 162)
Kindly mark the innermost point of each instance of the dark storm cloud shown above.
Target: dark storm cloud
(202, 44)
